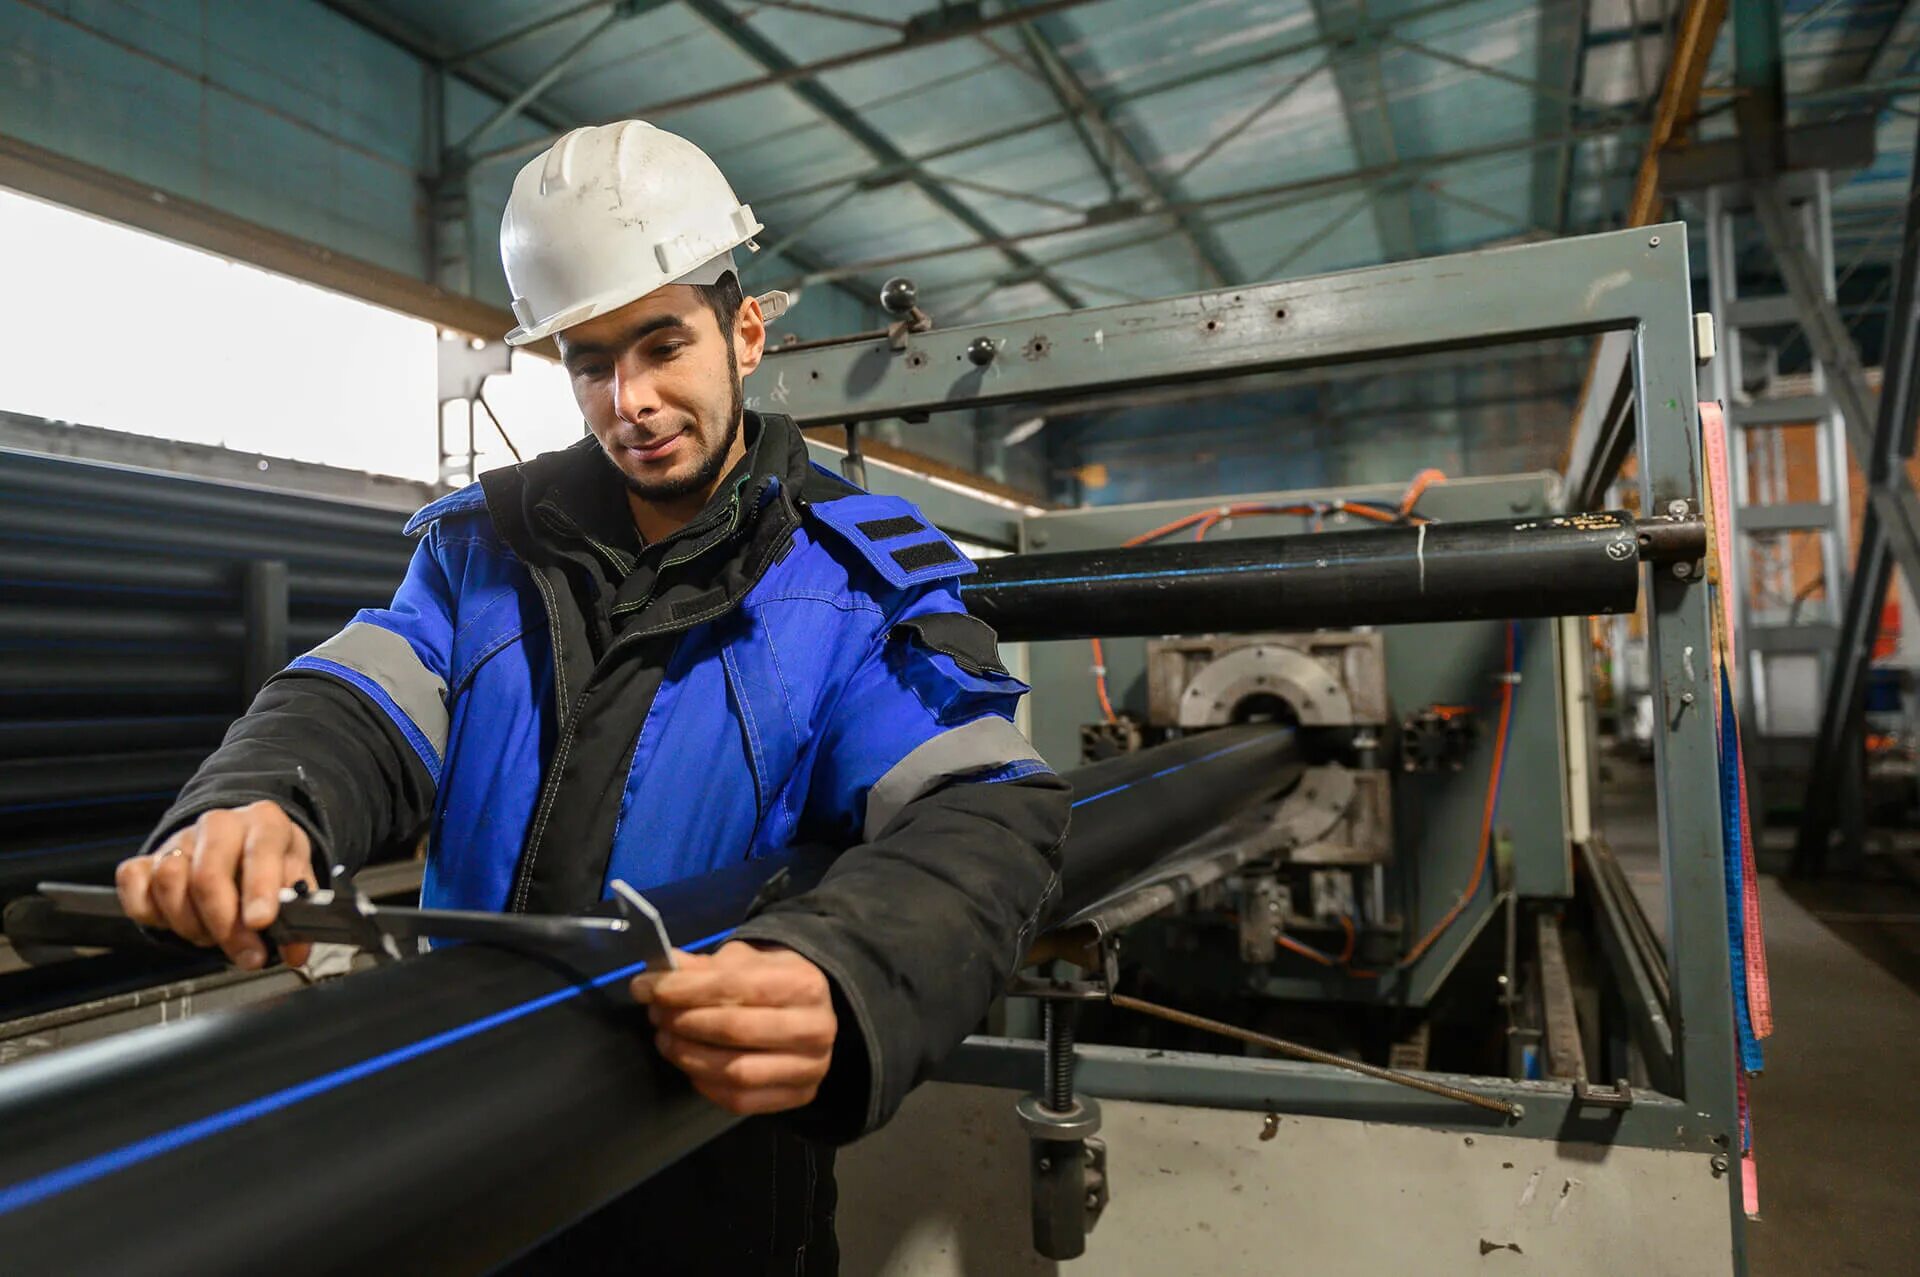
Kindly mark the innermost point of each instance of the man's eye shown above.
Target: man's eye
(591, 372)
(668, 349)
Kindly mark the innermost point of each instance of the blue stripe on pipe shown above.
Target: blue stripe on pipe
(54, 1183)
(1168, 771)
(52, 803)
(68, 847)
(30, 1192)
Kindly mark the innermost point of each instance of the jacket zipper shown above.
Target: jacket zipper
(549, 790)
(523, 875)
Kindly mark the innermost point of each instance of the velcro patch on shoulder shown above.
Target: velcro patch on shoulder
(969, 640)
(894, 537)
(471, 497)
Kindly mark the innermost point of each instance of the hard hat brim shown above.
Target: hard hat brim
(706, 273)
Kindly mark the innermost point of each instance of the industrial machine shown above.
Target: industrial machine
(1341, 976)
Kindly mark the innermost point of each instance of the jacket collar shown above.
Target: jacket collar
(564, 503)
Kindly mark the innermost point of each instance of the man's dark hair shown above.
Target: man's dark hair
(723, 298)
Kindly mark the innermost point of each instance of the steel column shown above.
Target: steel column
(1685, 748)
(264, 593)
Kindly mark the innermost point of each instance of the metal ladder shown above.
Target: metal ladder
(1786, 643)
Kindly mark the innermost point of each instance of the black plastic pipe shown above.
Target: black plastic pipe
(446, 1113)
(1574, 565)
(1134, 810)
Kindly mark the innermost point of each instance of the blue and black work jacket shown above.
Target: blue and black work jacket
(555, 706)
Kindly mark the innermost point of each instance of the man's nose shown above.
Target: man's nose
(635, 397)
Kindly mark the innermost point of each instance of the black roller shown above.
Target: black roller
(445, 1113)
(1576, 565)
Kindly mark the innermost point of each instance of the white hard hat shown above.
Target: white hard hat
(610, 213)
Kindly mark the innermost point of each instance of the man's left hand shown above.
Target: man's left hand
(752, 1027)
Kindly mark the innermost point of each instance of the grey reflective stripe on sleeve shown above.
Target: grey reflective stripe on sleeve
(390, 661)
(981, 745)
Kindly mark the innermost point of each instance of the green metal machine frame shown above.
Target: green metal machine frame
(1633, 283)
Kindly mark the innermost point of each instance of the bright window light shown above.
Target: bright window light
(112, 327)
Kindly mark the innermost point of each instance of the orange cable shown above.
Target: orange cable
(1421, 482)
(1294, 946)
(1203, 521)
(1486, 819)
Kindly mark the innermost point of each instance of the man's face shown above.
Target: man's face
(659, 385)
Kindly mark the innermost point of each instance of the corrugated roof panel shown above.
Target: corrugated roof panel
(776, 158)
(1303, 137)
(810, 37)
(1008, 303)
(953, 278)
(1165, 268)
(895, 219)
(1476, 204)
(1437, 107)
(1124, 42)
(633, 65)
(1309, 239)
(1613, 78)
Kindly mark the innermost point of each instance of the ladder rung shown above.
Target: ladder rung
(1751, 312)
(1794, 516)
(1791, 411)
(1815, 636)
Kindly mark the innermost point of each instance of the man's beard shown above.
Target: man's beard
(711, 466)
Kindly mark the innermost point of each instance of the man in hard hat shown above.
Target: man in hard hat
(671, 647)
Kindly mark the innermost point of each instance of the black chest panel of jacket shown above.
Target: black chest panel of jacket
(616, 612)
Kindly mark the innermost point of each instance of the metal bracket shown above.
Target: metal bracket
(1094, 988)
(1618, 1096)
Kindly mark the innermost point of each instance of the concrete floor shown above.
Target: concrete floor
(1837, 1130)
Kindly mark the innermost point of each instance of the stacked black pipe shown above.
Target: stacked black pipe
(124, 637)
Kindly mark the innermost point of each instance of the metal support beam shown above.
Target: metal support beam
(1107, 101)
(1088, 120)
(512, 108)
(1890, 493)
(1255, 202)
(1760, 101)
(790, 72)
(1898, 46)
(1679, 100)
(1672, 118)
(1363, 100)
(725, 23)
(1560, 210)
(486, 48)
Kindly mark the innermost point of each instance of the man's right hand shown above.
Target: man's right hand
(218, 881)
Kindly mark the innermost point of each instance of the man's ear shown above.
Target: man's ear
(749, 335)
